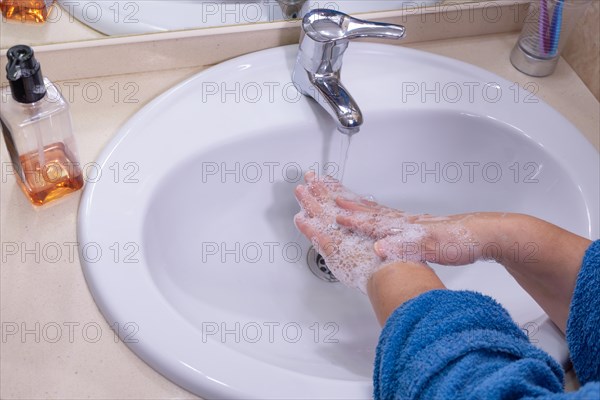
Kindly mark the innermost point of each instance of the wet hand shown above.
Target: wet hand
(349, 255)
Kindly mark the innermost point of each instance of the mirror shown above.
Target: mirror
(77, 20)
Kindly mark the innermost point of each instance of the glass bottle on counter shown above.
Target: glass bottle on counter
(36, 125)
(26, 10)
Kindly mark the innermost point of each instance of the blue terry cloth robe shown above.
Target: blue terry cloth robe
(463, 345)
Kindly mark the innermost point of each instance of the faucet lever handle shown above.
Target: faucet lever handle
(324, 25)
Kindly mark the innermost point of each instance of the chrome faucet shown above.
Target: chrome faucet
(324, 39)
(291, 8)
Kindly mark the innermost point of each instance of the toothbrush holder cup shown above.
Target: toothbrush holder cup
(546, 29)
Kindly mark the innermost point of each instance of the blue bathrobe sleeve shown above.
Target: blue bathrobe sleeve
(583, 326)
(463, 345)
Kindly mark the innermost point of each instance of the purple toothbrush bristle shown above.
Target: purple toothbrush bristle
(543, 28)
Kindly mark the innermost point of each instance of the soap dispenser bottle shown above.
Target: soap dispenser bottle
(36, 125)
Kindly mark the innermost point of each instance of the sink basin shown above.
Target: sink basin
(193, 249)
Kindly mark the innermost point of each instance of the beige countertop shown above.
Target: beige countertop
(55, 343)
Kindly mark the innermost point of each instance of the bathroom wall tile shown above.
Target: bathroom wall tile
(583, 49)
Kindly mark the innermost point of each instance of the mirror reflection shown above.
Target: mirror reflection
(36, 22)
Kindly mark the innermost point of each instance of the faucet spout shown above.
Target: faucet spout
(291, 8)
(332, 96)
(324, 39)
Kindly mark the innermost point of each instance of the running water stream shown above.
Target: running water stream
(345, 142)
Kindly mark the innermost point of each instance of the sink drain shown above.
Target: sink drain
(316, 264)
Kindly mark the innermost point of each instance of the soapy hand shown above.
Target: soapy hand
(357, 237)
(453, 240)
(349, 255)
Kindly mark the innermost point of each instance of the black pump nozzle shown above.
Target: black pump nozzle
(24, 74)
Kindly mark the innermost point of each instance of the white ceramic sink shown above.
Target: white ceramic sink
(126, 17)
(211, 269)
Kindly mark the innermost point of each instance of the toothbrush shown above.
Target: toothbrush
(544, 39)
(555, 28)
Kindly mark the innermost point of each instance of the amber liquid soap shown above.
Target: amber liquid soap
(51, 178)
(26, 10)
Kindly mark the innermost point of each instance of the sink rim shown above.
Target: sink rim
(184, 373)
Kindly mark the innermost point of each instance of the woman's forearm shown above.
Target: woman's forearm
(396, 283)
(544, 259)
